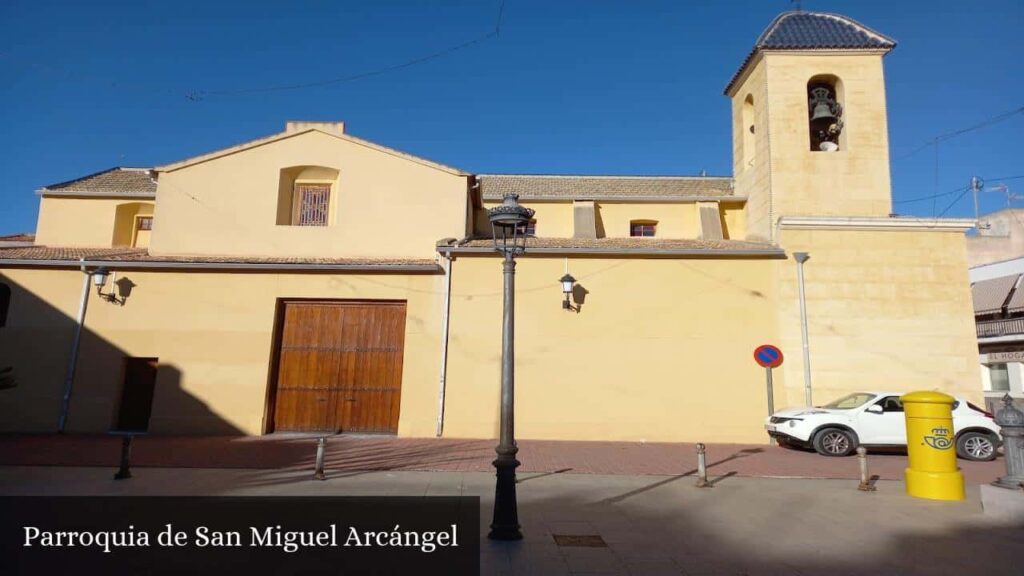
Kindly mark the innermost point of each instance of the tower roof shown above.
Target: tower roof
(814, 31)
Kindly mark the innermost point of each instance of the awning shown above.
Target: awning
(990, 295)
(1016, 300)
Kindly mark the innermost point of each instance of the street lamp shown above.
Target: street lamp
(508, 227)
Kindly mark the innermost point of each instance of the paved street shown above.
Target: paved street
(355, 453)
(770, 511)
(651, 525)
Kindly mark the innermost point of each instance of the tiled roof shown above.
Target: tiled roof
(625, 246)
(52, 255)
(21, 237)
(533, 187)
(815, 31)
(113, 182)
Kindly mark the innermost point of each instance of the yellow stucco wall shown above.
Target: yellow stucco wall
(674, 220)
(213, 335)
(734, 220)
(753, 175)
(554, 219)
(887, 310)
(660, 350)
(88, 222)
(386, 205)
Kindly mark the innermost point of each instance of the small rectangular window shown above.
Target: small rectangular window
(144, 223)
(642, 229)
(528, 229)
(313, 204)
(1000, 377)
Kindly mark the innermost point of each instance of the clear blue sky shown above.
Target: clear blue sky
(571, 86)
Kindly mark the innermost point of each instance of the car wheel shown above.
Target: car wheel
(834, 442)
(976, 446)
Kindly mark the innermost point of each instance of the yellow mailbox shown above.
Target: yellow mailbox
(931, 447)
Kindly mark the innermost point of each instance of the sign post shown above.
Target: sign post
(769, 357)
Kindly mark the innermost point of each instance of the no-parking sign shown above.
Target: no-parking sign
(768, 356)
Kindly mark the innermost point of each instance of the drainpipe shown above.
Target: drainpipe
(445, 315)
(802, 257)
(69, 378)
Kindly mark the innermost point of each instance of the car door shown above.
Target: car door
(885, 428)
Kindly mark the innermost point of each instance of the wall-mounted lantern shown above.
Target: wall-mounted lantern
(568, 283)
(99, 279)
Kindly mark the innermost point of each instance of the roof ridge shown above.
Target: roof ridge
(80, 178)
(833, 15)
(264, 140)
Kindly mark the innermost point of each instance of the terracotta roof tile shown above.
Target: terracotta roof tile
(530, 187)
(20, 237)
(113, 182)
(70, 255)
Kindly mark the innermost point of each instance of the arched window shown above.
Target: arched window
(307, 196)
(5, 303)
(825, 113)
(747, 126)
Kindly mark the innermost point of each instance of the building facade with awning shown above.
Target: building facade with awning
(998, 297)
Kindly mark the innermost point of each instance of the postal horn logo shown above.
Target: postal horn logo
(940, 439)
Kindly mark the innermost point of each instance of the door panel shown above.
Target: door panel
(136, 404)
(889, 427)
(340, 367)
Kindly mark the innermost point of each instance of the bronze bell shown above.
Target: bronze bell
(823, 111)
(825, 108)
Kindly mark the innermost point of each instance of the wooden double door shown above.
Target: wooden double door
(339, 367)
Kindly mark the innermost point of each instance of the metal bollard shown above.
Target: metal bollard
(702, 468)
(124, 472)
(1011, 423)
(866, 485)
(320, 446)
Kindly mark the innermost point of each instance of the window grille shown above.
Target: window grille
(314, 200)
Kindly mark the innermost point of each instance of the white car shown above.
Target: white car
(876, 419)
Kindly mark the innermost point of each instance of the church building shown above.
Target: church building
(313, 281)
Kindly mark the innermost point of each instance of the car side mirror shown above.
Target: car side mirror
(875, 409)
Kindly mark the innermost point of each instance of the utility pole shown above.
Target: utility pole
(976, 185)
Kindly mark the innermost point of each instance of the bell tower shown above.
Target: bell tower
(810, 129)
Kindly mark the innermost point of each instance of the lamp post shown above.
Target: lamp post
(800, 258)
(508, 226)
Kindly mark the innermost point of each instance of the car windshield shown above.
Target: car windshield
(851, 401)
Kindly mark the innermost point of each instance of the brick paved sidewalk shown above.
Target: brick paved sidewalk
(364, 453)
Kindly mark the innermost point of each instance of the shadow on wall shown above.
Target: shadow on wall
(113, 388)
(598, 221)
